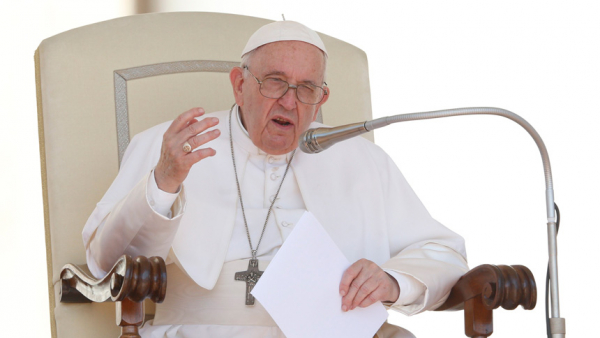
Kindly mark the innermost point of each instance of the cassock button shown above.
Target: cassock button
(286, 224)
(152, 202)
(274, 176)
(271, 159)
(275, 168)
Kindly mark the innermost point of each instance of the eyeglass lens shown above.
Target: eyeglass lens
(274, 89)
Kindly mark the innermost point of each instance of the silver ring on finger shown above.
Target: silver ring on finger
(187, 147)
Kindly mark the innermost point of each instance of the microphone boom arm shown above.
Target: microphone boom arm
(319, 139)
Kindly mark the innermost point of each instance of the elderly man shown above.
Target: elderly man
(226, 208)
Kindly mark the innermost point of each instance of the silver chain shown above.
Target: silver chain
(253, 251)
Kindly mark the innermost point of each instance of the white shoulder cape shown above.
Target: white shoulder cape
(354, 189)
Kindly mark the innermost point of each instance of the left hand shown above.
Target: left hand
(365, 283)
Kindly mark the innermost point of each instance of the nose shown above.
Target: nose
(288, 100)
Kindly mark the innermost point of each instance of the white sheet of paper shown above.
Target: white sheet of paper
(300, 288)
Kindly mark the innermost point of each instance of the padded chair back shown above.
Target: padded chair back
(99, 85)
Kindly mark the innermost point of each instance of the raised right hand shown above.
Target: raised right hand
(174, 163)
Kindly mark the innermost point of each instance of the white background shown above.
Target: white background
(482, 176)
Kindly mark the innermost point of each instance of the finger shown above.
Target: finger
(355, 285)
(348, 277)
(170, 143)
(386, 289)
(371, 298)
(348, 299)
(196, 128)
(198, 155)
(192, 121)
(183, 120)
(365, 289)
(174, 141)
(203, 138)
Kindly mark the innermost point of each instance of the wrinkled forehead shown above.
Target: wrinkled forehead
(290, 57)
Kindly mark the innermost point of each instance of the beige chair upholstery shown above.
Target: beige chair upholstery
(99, 85)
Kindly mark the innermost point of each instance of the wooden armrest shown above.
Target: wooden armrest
(128, 283)
(487, 287)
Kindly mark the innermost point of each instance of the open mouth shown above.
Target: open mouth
(282, 122)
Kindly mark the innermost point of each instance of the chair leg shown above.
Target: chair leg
(130, 315)
(478, 319)
(129, 332)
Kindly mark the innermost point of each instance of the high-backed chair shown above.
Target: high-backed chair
(99, 85)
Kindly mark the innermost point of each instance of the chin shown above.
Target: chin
(279, 148)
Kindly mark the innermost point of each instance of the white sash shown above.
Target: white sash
(187, 303)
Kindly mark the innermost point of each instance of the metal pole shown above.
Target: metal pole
(557, 324)
(319, 139)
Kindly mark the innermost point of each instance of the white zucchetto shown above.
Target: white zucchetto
(283, 31)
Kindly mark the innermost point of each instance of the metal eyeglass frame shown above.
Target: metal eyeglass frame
(288, 88)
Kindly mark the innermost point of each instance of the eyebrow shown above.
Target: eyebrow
(277, 72)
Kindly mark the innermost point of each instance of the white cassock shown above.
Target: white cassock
(354, 189)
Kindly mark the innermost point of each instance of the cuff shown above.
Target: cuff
(162, 202)
(412, 292)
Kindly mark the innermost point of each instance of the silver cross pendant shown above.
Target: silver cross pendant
(251, 277)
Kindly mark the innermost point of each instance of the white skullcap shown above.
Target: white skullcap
(283, 31)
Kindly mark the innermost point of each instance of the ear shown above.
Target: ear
(318, 106)
(236, 76)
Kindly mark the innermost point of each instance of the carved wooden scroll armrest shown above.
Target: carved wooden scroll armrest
(487, 287)
(128, 283)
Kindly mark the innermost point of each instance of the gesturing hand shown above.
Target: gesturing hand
(174, 163)
(365, 283)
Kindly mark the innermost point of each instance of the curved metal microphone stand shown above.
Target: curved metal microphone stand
(319, 139)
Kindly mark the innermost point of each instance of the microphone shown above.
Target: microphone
(316, 140)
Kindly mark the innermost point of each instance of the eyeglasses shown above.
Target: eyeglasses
(273, 88)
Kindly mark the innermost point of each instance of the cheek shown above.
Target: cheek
(311, 116)
(255, 118)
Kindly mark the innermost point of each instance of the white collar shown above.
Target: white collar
(239, 119)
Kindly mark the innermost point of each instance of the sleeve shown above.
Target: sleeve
(160, 201)
(410, 289)
(427, 256)
(124, 222)
(425, 276)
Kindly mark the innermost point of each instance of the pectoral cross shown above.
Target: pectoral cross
(251, 277)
